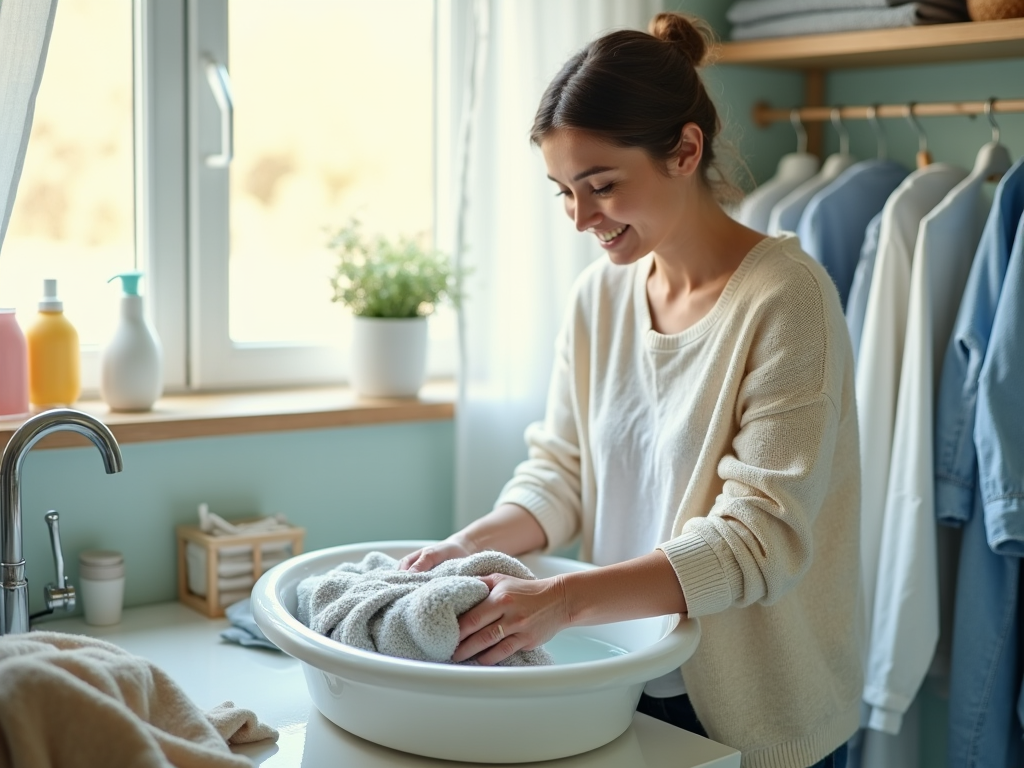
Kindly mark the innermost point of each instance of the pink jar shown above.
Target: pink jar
(13, 367)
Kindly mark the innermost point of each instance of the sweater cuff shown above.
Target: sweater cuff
(885, 720)
(704, 580)
(559, 529)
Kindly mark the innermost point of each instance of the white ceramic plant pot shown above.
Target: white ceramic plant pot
(389, 356)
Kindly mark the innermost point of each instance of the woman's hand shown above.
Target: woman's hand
(428, 557)
(509, 529)
(518, 614)
(523, 614)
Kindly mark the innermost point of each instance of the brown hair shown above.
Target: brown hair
(638, 90)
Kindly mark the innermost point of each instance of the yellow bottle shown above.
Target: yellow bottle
(53, 354)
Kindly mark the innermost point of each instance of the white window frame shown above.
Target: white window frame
(161, 220)
(182, 213)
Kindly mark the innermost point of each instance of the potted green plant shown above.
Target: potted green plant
(391, 286)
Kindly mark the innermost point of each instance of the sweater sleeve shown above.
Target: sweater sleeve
(755, 543)
(547, 483)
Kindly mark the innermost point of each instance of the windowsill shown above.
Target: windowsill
(175, 417)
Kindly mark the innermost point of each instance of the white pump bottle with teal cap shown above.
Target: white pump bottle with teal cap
(132, 364)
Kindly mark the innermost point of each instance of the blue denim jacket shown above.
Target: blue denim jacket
(979, 464)
(984, 729)
(999, 424)
(955, 455)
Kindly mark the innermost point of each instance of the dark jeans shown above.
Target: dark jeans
(678, 711)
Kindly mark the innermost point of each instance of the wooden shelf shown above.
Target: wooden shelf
(239, 413)
(883, 47)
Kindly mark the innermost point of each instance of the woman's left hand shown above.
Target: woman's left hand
(518, 614)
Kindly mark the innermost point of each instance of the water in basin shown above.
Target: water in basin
(570, 648)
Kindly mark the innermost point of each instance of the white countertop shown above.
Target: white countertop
(187, 646)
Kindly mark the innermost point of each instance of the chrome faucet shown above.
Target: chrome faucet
(13, 585)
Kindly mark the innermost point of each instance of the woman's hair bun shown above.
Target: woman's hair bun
(691, 36)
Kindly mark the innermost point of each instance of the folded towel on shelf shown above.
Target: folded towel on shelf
(243, 629)
(823, 22)
(752, 11)
(374, 606)
(68, 701)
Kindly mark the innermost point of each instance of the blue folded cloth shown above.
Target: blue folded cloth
(243, 629)
(756, 11)
(846, 20)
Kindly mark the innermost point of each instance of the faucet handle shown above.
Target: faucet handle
(61, 594)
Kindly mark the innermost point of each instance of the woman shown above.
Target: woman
(700, 435)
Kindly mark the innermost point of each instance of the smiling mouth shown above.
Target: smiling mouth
(611, 234)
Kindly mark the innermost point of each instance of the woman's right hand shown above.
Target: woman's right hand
(428, 557)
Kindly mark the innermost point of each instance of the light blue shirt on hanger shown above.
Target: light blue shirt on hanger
(857, 302)
(832, 225)
(785, 216)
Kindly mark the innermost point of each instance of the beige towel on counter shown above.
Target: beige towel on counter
(68, 701)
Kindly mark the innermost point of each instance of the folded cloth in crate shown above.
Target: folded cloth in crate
(234, 567)
(69, 701)
(374, 606)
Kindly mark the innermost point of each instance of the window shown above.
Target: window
(332, 112)
(327, 107)
(74, 215)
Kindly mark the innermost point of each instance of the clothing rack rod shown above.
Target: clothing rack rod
(764, 114)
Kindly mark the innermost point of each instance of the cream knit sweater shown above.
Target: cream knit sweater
(731, 446)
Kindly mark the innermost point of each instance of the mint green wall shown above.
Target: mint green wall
(950, 139)
(341, 485)
(752, 153)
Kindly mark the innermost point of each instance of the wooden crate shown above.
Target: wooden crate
(210, 604)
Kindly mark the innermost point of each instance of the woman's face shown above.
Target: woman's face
(618, 194)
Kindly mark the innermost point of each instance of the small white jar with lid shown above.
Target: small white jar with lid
(101, 573)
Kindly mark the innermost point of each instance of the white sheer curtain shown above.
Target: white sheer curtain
(505, 223)
(25, 27)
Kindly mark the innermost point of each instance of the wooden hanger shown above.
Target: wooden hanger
(924, 157)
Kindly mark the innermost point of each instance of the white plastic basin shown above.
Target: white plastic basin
(471, 713)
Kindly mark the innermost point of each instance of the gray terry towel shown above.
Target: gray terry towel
(374, 606)
(755, 11)
(824, 22)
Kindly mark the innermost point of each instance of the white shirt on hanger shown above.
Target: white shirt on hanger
(794, 169)
(785, 214)
(878, 382)
(908, 600)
